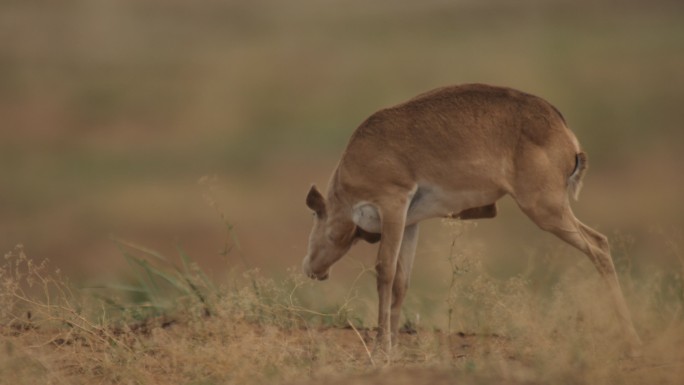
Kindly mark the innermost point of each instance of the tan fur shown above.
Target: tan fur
(451, 152)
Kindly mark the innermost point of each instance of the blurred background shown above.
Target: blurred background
(166, 122)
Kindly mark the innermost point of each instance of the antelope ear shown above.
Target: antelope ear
(315, 201)
(367, 236)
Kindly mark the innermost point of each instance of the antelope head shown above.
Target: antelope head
(332, 235)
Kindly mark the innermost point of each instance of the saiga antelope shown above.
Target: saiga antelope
(452, 152)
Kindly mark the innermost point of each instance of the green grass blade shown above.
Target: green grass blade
(187, 261)
(118, 287)
(134, 264)
(142, 249)
(148, 270)
(153, 272)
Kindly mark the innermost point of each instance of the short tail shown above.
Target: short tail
(575, 179)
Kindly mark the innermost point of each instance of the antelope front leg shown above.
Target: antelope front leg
(386, 267)
(402, 276)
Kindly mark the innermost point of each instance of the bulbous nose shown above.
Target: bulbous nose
(306, 268)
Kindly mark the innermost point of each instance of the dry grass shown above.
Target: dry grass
(112, 109)
(182, 329)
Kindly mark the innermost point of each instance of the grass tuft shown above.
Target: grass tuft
(171, 324)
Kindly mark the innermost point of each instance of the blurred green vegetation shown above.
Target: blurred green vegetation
(112, 110)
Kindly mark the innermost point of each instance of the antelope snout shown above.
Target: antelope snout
(321, 277)
(306, 267)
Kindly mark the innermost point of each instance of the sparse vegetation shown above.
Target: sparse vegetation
(173, 325)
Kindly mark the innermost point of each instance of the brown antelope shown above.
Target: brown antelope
(452, 152)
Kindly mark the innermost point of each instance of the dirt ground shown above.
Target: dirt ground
(247, 353)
